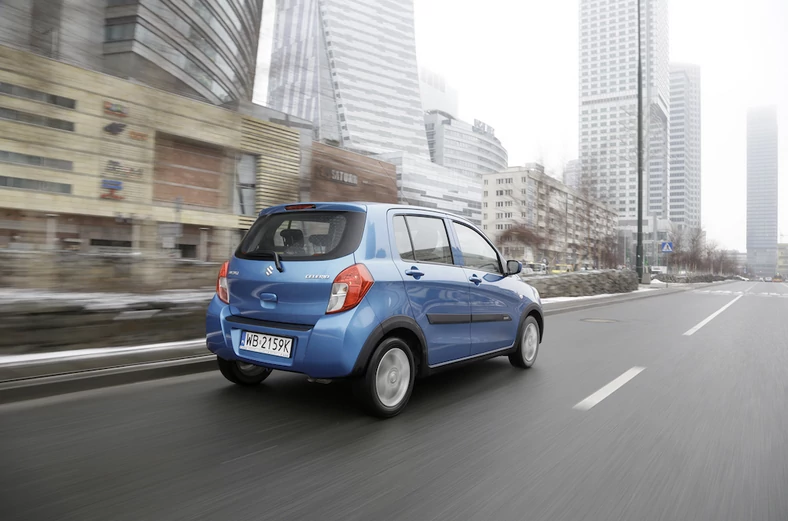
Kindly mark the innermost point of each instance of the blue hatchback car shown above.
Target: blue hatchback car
(377, 293)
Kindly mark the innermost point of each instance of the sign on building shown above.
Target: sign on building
(115, 109)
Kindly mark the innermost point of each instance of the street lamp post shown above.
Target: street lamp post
(639, 259)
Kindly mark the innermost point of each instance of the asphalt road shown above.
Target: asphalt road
(698, 432)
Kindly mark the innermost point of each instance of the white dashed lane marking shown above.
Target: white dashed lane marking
(711, 317)
(609, 389)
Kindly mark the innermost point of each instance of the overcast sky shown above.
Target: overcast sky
(514, 63)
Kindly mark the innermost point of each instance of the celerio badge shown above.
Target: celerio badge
(269, 270)
(316, 277)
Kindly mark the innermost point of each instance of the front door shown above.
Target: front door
(437, 289)
(496, 304)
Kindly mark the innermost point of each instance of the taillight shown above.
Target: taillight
(349, 288)
(221, 284)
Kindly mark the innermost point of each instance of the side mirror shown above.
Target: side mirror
(513, 267)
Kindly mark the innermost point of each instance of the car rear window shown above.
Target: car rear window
(311, 235)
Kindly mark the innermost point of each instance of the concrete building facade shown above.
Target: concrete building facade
(204, 49)
(569, 227)
(685, 146)
(762, 190)
(782, 259)
(341, 175)
(464, 148)
(95, 163)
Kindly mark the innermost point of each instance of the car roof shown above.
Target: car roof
(361, 206)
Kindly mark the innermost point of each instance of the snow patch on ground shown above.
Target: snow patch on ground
(102, 300)
(602, 295)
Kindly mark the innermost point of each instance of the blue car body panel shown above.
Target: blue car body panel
(457, 319)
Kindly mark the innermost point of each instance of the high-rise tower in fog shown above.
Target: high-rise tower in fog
(350, 67)
(608, 103)
(762, 191)
(685, 146)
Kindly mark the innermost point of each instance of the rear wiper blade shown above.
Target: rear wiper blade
(272, 253)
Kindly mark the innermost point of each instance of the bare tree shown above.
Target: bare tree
(695, 249)
(725, 263)
(523, 234)
(710, 256)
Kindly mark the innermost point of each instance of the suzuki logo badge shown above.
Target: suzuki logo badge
(269, 270)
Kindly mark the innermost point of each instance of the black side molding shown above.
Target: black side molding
(491, 317)
(449, 318)
(461, 318)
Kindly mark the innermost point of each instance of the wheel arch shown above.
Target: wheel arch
(533, 310)
(400, 325)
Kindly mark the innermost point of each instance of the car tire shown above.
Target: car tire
(241, 373)
(386, 386)
(524, 355)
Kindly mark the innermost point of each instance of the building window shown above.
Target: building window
(37, 95)
(32, 184)
(28, 160)
(35, 119)
(119, 32)
(246, 178)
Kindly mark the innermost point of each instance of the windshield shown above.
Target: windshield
(303, 236)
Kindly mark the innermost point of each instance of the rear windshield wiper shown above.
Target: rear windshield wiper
(266, 253)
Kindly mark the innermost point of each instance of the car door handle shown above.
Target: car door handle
(414, 272)
(475, 279)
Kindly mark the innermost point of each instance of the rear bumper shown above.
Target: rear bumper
(329, 349)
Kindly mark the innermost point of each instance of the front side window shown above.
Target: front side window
(422, 239)
(476, 251)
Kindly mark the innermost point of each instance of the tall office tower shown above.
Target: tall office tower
(685, 146)
(608, 103)
(762, 191)
(205, 49)
(349, 66)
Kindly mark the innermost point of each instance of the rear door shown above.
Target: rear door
(437, 289)
(496, 303)
(313, 246)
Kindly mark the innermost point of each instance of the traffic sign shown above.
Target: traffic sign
(667, 247)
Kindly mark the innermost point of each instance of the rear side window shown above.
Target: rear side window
(422, 238)
(303, 236)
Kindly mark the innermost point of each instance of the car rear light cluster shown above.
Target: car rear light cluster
(349, 288)
(222, 291)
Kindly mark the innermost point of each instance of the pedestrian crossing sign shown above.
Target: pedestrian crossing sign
(667, 247)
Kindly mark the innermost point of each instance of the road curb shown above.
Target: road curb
(24, 389)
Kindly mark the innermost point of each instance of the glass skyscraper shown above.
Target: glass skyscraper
(349, 66)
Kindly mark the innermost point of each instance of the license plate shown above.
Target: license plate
(267, 344)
